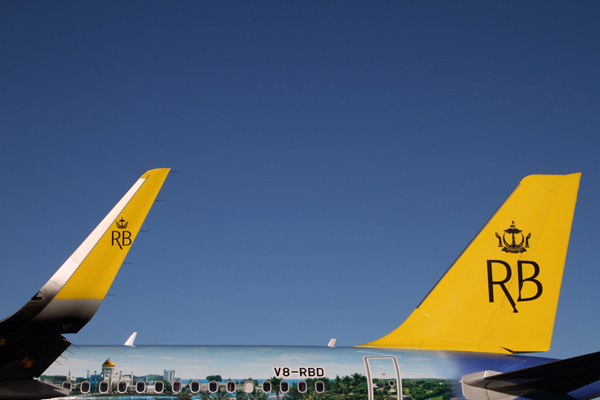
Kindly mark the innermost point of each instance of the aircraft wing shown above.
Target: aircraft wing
(31, 339)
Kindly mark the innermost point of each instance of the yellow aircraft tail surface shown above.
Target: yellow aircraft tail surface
(501, 293)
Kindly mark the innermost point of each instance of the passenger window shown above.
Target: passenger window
(159, 386)
(231, 386)
(302, 387)
(122, 387)
(103, 387)
(266, 386)
(194, 386)
(176, 387)
(213, 386)
(85, 387)
(284, 387)
(67, 385)
(319, 387)
(140, 387)
(248, 386)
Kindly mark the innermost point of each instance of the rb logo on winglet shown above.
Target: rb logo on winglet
(123, 237)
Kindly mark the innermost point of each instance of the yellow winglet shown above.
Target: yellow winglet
(71, 297)
(501, 294)
(118, 230)
(30, 339)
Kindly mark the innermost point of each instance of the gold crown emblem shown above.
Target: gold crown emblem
(511, 246)
(122, 224)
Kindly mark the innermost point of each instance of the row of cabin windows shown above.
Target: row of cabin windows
(103, 387)
(213, 387)
(284, 387)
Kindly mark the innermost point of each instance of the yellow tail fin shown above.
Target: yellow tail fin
(501, 294)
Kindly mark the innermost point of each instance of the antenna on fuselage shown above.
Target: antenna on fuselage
(129, 341)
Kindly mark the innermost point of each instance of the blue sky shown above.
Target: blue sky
(334, 158)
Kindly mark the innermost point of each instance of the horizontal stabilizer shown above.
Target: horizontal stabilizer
(556, 377)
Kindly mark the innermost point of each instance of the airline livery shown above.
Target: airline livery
(496, 301)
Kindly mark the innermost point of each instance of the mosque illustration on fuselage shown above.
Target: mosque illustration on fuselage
(110, 381)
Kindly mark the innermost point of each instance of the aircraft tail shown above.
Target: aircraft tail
(501, 294)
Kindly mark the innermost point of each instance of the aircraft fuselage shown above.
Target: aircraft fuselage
(364, 372)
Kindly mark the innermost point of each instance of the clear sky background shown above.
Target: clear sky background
(335, 157)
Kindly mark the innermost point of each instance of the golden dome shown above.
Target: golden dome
(108, 363)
